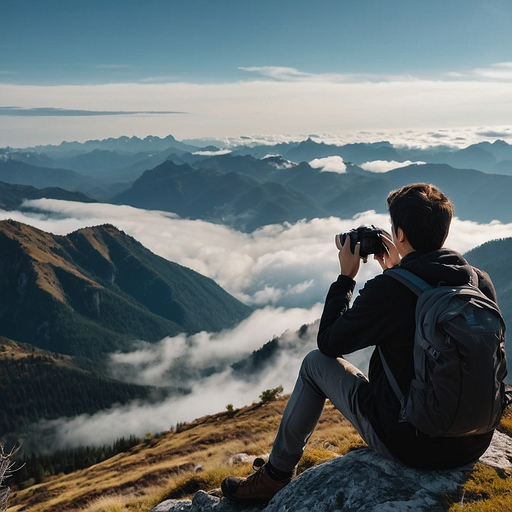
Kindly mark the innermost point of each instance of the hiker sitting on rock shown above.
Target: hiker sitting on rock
(383, 315)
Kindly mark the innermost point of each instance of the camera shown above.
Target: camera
(367, 236)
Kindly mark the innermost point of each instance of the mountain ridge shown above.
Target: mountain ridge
(95, 290)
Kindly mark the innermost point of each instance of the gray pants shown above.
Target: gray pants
(321, 377)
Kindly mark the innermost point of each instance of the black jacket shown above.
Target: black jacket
(383, 315)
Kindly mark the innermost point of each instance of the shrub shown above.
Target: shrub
(5, 471)
(269, 395)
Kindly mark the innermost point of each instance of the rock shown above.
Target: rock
(361, 481)
(499, 453)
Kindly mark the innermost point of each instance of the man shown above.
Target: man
(382, 315)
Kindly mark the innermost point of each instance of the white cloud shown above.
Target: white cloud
(282, 164)
(501, 71)
(288, 266)
(163, 364)
(169, 362)
(274, 260)
(282, 100)
(329, 164)
(281, 73)
(212, 153)
(288, 74)
(386, 165)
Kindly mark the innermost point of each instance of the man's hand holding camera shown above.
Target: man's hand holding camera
(390, 257)
(358, 243)
(349, 261)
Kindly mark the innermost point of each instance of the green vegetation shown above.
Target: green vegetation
(96, 290)
(32, 469)
(269, 395)
(36, 385)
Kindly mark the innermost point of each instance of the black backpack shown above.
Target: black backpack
(459, 360)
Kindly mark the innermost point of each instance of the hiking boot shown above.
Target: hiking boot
(259, 487)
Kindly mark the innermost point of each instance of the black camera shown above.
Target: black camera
(367, 236)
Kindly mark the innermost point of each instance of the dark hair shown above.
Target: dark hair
(423, 212)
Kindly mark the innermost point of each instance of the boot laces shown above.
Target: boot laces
(252, 481)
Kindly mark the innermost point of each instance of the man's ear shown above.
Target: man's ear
(400, 235)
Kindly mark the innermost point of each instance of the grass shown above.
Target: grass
(199, 455)
(487, 489)
(177, 464)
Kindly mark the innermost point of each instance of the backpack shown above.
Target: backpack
(459, 360)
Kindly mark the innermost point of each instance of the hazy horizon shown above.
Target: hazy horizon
(75, 71)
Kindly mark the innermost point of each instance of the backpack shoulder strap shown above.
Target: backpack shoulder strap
(392, 380)
(412, 281)
(418, 286)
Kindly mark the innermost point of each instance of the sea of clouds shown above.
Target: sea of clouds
(284, 271)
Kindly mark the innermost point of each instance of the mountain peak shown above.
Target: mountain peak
(97, 289)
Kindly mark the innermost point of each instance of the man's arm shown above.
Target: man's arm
(343, 329)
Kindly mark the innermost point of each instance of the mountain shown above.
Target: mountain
(20, 173)
(488, 157)
(37, 384)
(110, 166)
(477, 196)
(247, 193)
(494, 258)
(233, 199)
(96, 290)
(12, 196)
(260, 169)
(346, 194)
(121, 144)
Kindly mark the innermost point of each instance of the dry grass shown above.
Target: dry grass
(506, 422)
(487, 489)
(178, 464)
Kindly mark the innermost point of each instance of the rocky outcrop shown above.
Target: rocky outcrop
(361, 481)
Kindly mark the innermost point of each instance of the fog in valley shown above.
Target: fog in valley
(284, 271)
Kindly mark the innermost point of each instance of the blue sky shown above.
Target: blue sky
(225, 68)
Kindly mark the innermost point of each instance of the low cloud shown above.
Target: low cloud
(290, 265)
(329, 164)
(386, 165)
(286, 269)
(212, 153)
(181, 361)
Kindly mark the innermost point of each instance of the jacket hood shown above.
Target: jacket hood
(441, 266)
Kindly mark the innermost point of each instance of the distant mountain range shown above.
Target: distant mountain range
(12, 196)
(232, 199)
(269, 191)
(488, 157)
(255, 186)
